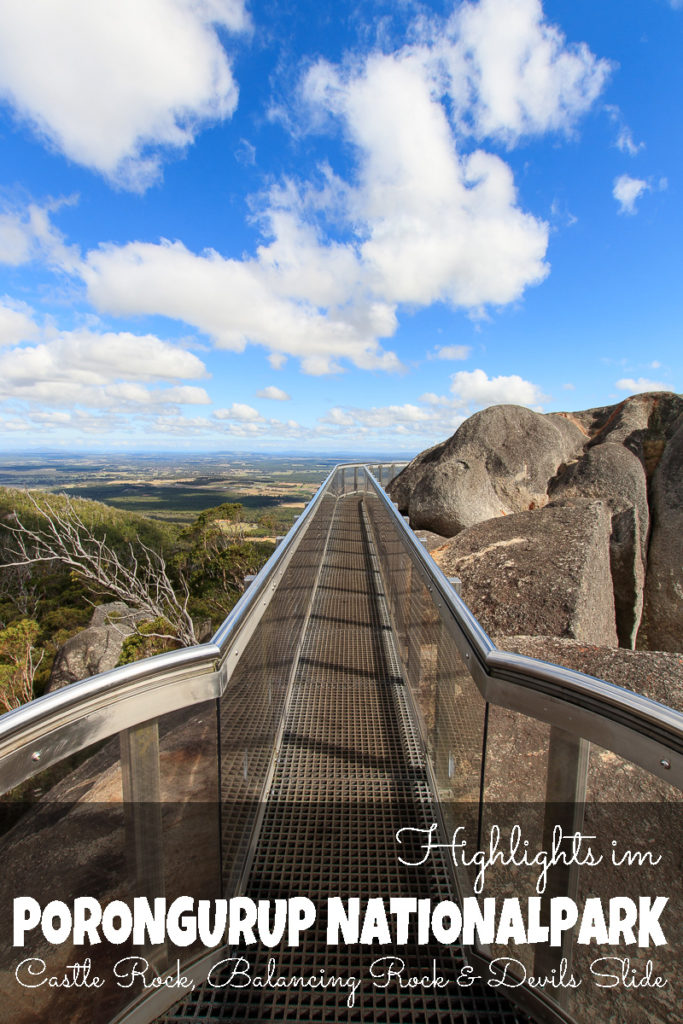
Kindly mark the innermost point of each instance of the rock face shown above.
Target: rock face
(499, 461)
(543, 572)
(654, 674)
(643, 424)
(613, 474)
(97, 648)
(664, 587)
(506, 460)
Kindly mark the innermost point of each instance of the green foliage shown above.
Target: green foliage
(150, 638)
(211, 555)
(19, 659)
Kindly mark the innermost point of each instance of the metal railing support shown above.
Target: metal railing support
(141, 785)
(565, 800)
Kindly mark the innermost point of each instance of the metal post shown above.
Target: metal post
(355, 478)
(565, 800)
(141, 785)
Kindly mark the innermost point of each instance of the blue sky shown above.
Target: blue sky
(267, 226)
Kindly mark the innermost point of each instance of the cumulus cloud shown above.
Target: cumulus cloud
(420, 218)
(15, 240)
(16, 323)
(436, 416)
(626, 143)
(635, 387)
(437, 225)
(240, 412)
(108, 86)
(511, 73)
(28, 233)
(240, 301)
(84, 367)
(476, 390)
(276, 394)
(627, 190)
(390, 421)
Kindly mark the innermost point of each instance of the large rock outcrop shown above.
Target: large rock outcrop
(544, 572)
(643, 424)
(611, 473)
(654, 674)
(498, 462)
(664, 587)
(97, 648)
(506, 459)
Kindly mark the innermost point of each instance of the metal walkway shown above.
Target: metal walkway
(350, 693)
(348, 775)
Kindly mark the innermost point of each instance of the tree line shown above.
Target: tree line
(60, 556)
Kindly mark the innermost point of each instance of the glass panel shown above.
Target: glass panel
(450, 709)
(252, 707)
(515, 785)
(135, 816)
(64, 837)
(637, 820)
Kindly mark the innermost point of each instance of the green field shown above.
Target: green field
(177, 489)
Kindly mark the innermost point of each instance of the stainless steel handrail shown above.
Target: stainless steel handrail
(640, 729)
(52, 727)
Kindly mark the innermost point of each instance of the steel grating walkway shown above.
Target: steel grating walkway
(349, 773)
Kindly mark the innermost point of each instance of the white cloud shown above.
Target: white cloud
(235, 301)
(454, 352)
(240, 412)
(421, 218)
(27, 233)
(627, 190)
(512, 73)
(15, 241)
(276, 394)
(436, 416)
(16, 323)
(389, 421)
(626, 143)
(474, 388)
(84, 367)
(635, 387)
(108, 85)
(136, 394)
(438, 226)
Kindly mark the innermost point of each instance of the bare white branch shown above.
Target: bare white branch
(141, 580)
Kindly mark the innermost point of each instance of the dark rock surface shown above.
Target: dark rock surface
(97, 648)
(545, 572)
(664, 587)
(499, 461)
(613, 474)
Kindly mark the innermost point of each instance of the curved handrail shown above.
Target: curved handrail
(49, 728)
(639, 728)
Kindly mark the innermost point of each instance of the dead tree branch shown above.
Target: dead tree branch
(140, 578)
